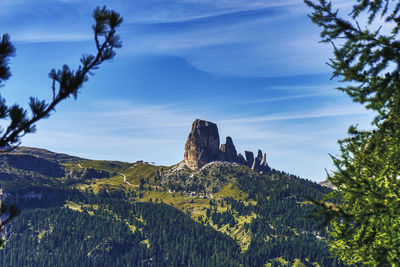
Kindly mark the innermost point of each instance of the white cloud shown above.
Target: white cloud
(275, 99)
(273, 45)
(183, 10)
(46, 37)
(221, 37)
(308, 114)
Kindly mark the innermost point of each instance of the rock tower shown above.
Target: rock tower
(202, 146)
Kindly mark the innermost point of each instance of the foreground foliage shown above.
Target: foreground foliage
(66, 83)
(365, 226)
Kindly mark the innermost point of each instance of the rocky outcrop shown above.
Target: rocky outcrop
(260, 162)
(328, 184)
(249, 158)
(229, 150)
(256, 162)
(264, 160)
(241, 160)
(202, 147)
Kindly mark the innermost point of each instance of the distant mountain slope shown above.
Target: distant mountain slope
(40, 167)
(43, 153)
(139, 214)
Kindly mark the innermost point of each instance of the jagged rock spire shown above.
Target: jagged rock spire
(202, 147)
(249, 158)
(229, 150)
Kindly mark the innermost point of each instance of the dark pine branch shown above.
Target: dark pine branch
(66, 82)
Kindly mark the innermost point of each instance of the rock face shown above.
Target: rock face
(249, 158)
(260, 162)
(202, 147)
(241, 160)
(230, 150)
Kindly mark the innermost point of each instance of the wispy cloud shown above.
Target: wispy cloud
(321, 113)
(221, 37)
(174, 11)
(47, 37)
(282, 98)
(318, 88)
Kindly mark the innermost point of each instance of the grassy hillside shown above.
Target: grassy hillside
(265, 215)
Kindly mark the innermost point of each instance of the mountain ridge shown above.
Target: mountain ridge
(261, 216)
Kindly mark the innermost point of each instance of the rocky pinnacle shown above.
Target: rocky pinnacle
(202, 147)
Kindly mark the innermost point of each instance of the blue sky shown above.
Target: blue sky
(253, 67)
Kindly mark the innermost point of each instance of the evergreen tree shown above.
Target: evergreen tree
(66, 83)
(365, 222)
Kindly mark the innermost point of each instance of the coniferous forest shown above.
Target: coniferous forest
(262, 220)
